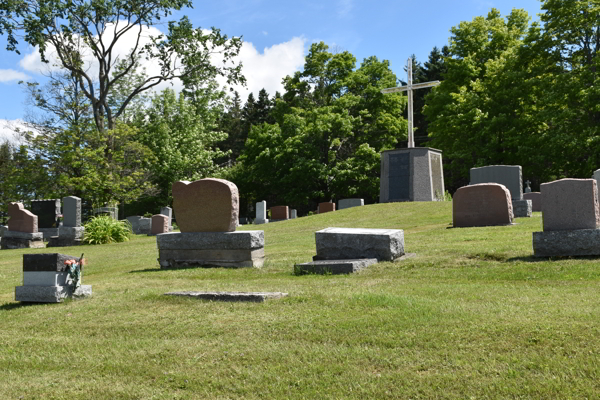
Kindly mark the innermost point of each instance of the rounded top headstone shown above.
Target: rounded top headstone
(207, 205)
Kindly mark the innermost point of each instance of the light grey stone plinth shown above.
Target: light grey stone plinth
(522, 208)
(357, 243)
(208, 249)
(580, 242)
(255, 297)
(333, 266)
(50, 294)
(261, 221)
(348, 203)
(413, 174)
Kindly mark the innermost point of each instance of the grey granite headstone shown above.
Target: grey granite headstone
(293, 213)
(412, 174)
(333, 267)
(348, 203)
(71, 211)
(261, 213)
(596, 176)
(168, 211)
(140, 225)
(507, 175)
(47, 212)
(357, 243)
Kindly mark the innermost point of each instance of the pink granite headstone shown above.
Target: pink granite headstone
(21, 220)
(536, 200)
(207, 205)
(160, 224)
(484, 204)
(570, 204)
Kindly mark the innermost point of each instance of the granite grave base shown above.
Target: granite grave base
(50, 294)
(22, 240)
(67, 236)
(358, 243)
(579, 242)
(522, 208)
(211, 249)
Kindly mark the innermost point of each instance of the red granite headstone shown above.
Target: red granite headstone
(21, 220)
(207, 205)
(280, 212)
(326, 207)
(570, 204)
(160, 224)
(484, 204)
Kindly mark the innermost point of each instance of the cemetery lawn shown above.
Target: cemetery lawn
(472, 315)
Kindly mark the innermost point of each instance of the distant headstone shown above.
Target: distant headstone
(484, 204)
(411, 174)
(47, 279)
(71, 211)
(528, 188)
(112, 212)
(279, 213)
(348, 203)
(509, 176)
(21, 220)
(261, 213)
(140, 225)
(47, 212)
(596, 176)
(536, 200)
(327, 206)
(571, 219)
(160, 224)
(293, 213)
(206, 205)
(168, 211)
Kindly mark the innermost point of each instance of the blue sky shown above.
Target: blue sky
(278, 33)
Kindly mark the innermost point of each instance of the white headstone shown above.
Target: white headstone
(261, 213)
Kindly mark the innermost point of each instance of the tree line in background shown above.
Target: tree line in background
(512, 92)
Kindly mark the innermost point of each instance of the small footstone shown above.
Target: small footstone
(522, 208)
(255, 297)
(333, 267)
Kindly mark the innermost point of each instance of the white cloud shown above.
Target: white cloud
(267, 69)
(10, 75)
(262, 70)
(8, 130)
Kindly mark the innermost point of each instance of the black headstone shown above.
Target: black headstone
(47, 212)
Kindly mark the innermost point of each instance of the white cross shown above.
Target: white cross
(409, 88)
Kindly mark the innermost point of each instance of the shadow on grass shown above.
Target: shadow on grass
(534, 259)
(183, 267)
(13, 306)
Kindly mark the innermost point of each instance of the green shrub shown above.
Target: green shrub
(104, 229)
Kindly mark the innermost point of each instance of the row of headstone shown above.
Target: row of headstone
(158, 223)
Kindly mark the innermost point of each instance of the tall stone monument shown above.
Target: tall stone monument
(509, 176)
(207, 214)
(71, 232)
(412, 174)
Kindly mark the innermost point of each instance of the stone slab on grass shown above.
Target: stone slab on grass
(333, 267)
(357, 243)
(50, 294)
(255, 297)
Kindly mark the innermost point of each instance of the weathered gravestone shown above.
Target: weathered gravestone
(347, 250)
(279, 213)
(536, 200)
(412, 174)
(140, 225)
(571, 219)
(293, 213)
(207, 212)
(509, 176)
(596, 176)
(168, 211)
(261, 213)
(71, 232)
(22, 230)
(348, 203)
(112, 212)
(327, 206)
(160, 224)
(484, 204)
(48, 278)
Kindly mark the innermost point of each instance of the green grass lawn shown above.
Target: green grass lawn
(473, 315)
